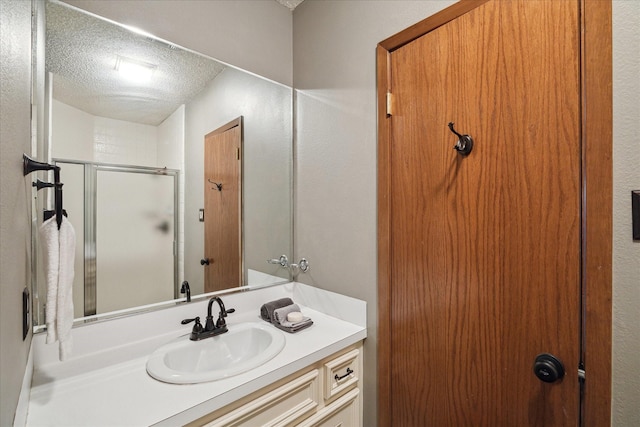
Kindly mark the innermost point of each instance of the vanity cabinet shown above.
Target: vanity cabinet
(326, 393)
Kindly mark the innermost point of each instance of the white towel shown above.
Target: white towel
(59, 253)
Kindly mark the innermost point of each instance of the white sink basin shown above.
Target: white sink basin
(244, 347)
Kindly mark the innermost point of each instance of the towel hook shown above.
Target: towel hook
(464, 144)
(218, 186)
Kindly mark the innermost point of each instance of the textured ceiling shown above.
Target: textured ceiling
(81, 52)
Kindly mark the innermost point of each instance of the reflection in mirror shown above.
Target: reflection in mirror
(129, 116)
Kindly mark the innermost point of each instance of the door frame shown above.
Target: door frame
(596, 209)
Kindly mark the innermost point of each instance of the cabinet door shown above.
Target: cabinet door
(344, 412)
(284, 406)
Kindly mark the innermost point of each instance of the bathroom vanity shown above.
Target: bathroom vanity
(324, 393)
(316, 378)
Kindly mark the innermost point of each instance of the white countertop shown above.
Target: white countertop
(106, 383)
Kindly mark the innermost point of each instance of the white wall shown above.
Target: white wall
(77, 135)
(72, 133)
(334, 77)
(170, 141)
(254, 35)
(15, 196)
(626, 177)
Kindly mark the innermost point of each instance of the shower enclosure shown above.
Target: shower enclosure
(126, 240)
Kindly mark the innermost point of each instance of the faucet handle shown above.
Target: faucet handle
(197, 327)
(283, 261)
(220, 323)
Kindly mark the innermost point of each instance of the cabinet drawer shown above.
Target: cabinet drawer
(284, 406)
(344, 412)
(341, 374)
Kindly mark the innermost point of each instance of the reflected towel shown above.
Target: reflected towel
(58, 248)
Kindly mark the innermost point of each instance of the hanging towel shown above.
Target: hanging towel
(49, 239)
(59, 253)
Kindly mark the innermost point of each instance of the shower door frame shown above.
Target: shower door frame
(90, 199)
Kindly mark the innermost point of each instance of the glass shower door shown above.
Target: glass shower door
(134, 239)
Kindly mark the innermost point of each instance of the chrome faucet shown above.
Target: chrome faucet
(210, 329)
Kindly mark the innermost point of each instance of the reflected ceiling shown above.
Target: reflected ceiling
(82, 53)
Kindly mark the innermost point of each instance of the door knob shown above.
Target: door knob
(548, 368)
(204, 261)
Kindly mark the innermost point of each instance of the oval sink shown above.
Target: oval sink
(244, 347)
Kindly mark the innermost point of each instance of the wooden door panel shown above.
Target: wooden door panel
(486, 249)
(223, 231)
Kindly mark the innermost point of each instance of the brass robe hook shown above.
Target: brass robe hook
(464, 144)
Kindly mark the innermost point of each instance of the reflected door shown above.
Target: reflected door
(222, 208)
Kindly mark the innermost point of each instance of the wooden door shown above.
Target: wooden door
(485, 250)
(222, 207)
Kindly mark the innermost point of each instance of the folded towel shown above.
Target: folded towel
(281, 322)
(59, 255)
(266, 311)
(280, 315)
(294, 327)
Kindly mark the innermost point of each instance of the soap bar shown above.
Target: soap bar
(295, 316)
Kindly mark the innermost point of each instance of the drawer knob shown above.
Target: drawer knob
(349, 372)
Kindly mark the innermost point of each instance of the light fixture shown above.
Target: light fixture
(134, 70)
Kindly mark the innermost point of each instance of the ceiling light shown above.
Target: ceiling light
(134, 70)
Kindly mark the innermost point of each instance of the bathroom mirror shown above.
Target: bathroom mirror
(131, 152)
